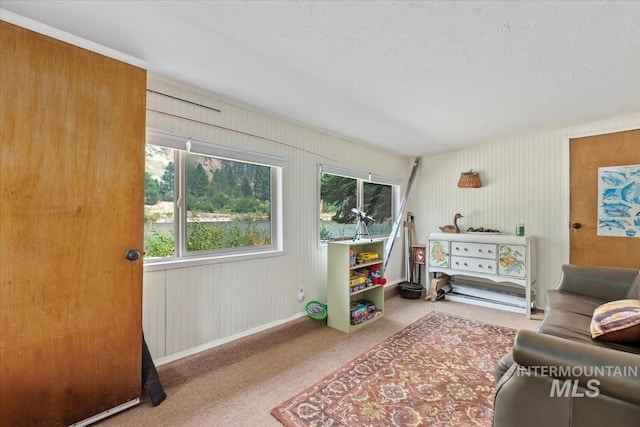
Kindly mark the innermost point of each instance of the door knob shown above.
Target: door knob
(576, 225)
(133, 255)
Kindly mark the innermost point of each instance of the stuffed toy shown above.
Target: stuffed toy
(376, 276)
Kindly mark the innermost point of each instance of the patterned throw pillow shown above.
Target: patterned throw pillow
(617, 321)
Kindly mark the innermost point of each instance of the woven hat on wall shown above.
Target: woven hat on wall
(469, 180)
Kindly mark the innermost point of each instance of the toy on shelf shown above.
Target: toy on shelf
(363, 310)
(376, 276)
(352, 257)
(363, 257)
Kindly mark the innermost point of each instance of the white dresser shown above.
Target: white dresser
(504, 263)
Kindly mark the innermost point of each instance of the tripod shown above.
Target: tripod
(361, 226)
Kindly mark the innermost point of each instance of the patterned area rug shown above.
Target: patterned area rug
(436, 372)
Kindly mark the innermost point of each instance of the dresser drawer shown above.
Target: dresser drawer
(477, 250)
(477, 265)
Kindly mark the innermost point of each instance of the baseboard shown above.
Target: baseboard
(184, 368)
(203, 358)
(391, 290)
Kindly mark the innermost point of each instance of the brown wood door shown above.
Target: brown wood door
(587, 155)
(72, 129)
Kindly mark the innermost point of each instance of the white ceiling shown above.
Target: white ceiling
(415, 77)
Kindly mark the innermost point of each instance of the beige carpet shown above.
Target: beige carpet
(239, 383)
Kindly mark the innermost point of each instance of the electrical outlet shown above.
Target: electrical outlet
(300, 295)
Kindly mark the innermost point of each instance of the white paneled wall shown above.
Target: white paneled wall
(186, 309)
(154, 311)
(525, 180)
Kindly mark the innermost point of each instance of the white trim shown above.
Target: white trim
(166, 139)
(109, 412)
(231, 153)
(186, 145)
(365, 176)
(208, 148)
(601, 132)
(163, 264)
(193, 350)
(57, 34)
(566, 189)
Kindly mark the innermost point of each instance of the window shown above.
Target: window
(203, 199)
(341, 190)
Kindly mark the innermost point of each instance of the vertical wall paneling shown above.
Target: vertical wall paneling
(190, 308)
(154, 312)
(524, 180)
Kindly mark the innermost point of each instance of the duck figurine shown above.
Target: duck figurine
(452, 228)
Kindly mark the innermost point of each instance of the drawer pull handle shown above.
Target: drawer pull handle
(466, 264)
(480, 265)
(466, 249)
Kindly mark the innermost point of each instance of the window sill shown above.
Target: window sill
(172, 263)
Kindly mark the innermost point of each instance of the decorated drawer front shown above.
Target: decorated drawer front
(439, 253)
(512, 260)
(477, 250)
(476, 265)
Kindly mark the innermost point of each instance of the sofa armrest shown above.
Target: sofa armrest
(618, 372)
(604, 283)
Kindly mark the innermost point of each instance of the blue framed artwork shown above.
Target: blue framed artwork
(619, 201)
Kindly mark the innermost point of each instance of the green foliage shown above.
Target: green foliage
(151, 190)
(210, 236)
(234, 187)
(236, 237)
(197, 179)
(168, 183)
(200, 237)
(378, 199)
(257, 237)
(245, 188)
(325, 233)
(213, 186)
(206, 236)
(151, 217)
(159, 244)
(262, 183)
(339, 194)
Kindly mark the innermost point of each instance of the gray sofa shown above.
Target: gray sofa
(560, 376)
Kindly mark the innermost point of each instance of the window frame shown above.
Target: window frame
(361, 178)
(183, 146)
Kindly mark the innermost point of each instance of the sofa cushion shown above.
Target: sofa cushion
(572, 303)
(568, 325)
(569, 316)
(634, 290)
(617, 321)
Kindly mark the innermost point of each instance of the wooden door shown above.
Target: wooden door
(72, 129)
(587, 155)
